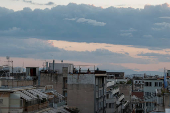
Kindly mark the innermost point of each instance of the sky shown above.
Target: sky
(130, 36)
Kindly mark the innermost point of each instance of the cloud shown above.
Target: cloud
(147, 36)
(165, 17)
(86, 23)
(90, 21)
(31, 2)
(37, 48)
(126, 34)
(164, 24)
(129, 30)
(159, 57)
(70, 19)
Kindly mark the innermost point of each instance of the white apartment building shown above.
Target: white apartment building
(150, 86)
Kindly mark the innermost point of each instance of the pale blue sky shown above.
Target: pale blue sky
(20, 4)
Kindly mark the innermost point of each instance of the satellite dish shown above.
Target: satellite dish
(7, 57)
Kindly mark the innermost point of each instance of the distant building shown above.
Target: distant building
(138, 84)
(58, 67)
(117, 75)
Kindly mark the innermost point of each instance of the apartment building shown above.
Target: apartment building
(118, 77)
(138, 84)
(19, 96)
(150, 86)
(86, 90)
(22, 99)
(115, 101)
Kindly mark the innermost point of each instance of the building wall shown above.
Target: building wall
(80, 92)
(153, 87)
(28, 71)
(59, 66)
(16, 83)
(126, 90)
(52, 79)
(4, 104)
(81, 79)
(81, 96)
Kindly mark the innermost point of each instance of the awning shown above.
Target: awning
(27, 98)
(36, 92)
(57, 94)
(29, 94)
(40, 93)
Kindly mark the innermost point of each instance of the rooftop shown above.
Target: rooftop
(138, 94)
(6, 89)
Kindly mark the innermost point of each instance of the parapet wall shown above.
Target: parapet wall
(16, 83)
(81, 79)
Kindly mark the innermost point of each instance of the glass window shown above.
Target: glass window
(146, 83)
(160, 84)
(156, 84)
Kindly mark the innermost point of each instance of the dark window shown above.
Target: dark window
(146, 83)
(156, 83)
(160, 84)
(1, 101)
(110, 105)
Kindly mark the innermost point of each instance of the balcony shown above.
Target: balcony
(115, 90)
(111, 100)
(124, 104)
(119, 98)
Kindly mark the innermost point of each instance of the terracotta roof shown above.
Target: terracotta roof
(138, 94)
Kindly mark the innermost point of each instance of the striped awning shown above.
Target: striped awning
(24, 96)
(29, 94)
(38, 93)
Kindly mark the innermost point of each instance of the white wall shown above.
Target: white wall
(59, 66)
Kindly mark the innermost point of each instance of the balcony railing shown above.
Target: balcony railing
(111, 100)
(120, 97)
(115, 90)
(124, 104)
(89, 72)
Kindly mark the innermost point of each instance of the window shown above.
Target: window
(146, 83)
(156, 84)
(160, 84)
(147, 104)
(1, 101)
(110, 105)
(107, 96)
(147, 93)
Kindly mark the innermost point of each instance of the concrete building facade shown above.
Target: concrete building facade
(87, 92)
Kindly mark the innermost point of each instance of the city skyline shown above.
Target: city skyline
(112, 38)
